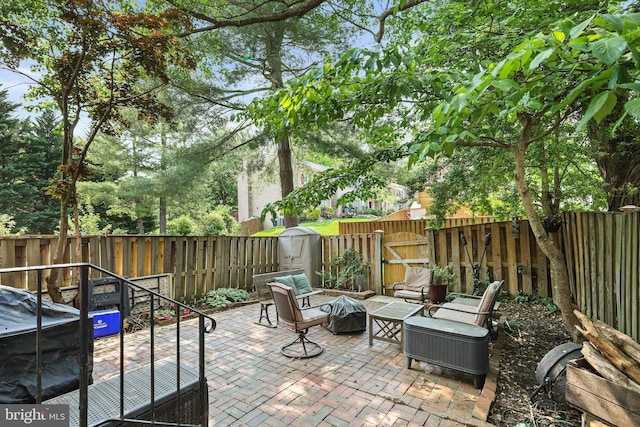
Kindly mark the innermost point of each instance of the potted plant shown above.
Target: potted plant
(346, 271)
(441, 279)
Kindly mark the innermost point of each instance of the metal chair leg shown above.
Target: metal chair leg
(298, 348)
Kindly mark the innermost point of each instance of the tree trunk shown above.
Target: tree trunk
(274, 61)
(618, 158)
(59, 254)
(286, 178)
(163, 215)
(559, 270)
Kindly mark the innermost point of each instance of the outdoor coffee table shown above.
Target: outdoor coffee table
(390, 320)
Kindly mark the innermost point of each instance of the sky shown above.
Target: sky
(16, 86)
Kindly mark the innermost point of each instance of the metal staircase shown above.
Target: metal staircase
(165, 392)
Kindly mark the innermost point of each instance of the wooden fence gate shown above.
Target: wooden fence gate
(401, 250)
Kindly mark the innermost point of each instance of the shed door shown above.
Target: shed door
(292, 250)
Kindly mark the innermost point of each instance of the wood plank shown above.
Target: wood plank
(178, 280)
(156, 261)
(592, 271)
(525, 259)
(201, 266)
(633, 239)
(407, 261)
(600, 397)
(600, 263)
(512, 264)
(190, 246)
(210, 264)
(496, 251)
(608, 270)
(407, 243)
(579, 264)
(141, 250)
(33, 258)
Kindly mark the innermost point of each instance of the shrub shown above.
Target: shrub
(313, 214)
(222, 297)
(181, 226)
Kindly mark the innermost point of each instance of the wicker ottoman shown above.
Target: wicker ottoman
(449, 344)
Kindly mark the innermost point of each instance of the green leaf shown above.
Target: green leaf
(633, 107)
(609, 50)
(578, 29)
(505, 85)
(607, 107)
(614, 21)
(540, 58)
(598, 103)
(459, 101)
(632, 86)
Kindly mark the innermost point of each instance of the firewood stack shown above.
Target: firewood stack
(613, 354)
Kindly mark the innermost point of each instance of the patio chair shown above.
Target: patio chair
(291, 316)
(415, 286)
(480, 315)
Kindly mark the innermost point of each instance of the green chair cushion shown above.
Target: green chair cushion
(302, 283)
(288, 281)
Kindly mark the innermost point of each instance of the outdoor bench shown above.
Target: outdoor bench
(104, 397)
(261, 282)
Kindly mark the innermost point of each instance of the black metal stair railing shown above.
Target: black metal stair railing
(206, 324)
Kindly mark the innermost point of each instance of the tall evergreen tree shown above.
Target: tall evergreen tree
(29, 156)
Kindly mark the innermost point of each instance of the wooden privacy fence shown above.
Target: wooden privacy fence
(603, 254)
(512, 257)
(199, 264)
(516, 259)
(417, 226)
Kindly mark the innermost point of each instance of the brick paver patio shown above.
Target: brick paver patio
(349, 384)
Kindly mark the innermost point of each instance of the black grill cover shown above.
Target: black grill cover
(60, 347)
(346, 315)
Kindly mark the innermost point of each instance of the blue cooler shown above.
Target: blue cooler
(105, 322)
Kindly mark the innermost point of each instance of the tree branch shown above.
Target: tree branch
(392, 11)
(260, 17)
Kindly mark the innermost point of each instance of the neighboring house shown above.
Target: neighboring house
(254, 193)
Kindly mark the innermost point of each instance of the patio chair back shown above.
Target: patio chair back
(485, 307)
(285, 301)
(415, 278)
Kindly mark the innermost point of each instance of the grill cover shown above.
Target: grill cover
(345, 315)
(60, 347)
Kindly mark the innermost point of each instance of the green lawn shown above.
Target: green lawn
(325, 228)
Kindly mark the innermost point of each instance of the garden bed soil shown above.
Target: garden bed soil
(530, 333)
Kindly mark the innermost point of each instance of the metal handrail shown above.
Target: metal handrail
(85, 335)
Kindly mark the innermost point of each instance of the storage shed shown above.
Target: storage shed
(301, 247)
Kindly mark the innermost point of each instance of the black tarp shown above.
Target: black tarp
(346, 315)
(60, 347)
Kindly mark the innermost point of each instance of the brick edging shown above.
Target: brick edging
(481, 411)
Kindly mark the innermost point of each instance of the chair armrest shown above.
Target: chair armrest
(398, 285)
(460, 294)
(322, 307)
(480, 313)
(308, 294)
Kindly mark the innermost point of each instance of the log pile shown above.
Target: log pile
(611, 353)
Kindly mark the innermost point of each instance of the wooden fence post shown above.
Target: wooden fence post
(376, 261)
